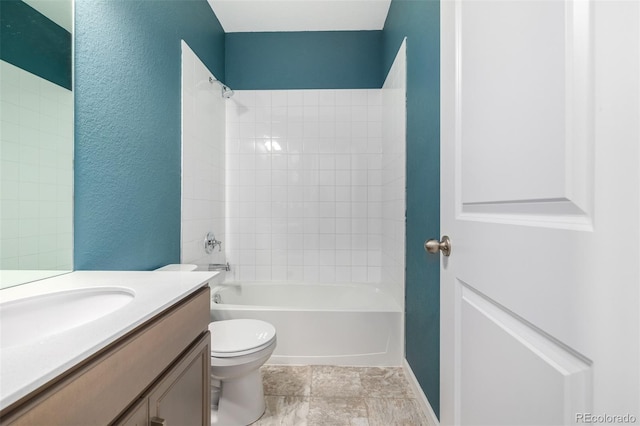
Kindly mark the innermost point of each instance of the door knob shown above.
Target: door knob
(444, 245)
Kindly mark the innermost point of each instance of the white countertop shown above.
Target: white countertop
(25, 368)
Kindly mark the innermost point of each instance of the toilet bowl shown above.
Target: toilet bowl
(239, 348)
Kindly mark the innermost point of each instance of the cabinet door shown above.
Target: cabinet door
(182, 395)
(138, 415)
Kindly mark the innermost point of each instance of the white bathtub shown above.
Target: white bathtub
(335, 324)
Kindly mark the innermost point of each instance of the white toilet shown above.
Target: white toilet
(238, 349)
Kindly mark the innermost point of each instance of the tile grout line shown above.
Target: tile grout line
(310, 384)
(366, 406)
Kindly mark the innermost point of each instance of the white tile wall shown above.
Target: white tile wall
(203, 161)
(304, 185)
(36, 154)
(314, 181)
(394, 176)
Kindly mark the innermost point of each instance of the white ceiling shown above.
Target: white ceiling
(300, 15)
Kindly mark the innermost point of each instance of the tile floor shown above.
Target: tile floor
(334, 396)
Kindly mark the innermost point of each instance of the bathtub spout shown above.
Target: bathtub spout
(219, 267)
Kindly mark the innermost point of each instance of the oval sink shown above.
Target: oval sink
(31, 319)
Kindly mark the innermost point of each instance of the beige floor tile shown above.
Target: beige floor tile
(286, 380)
(384, 382)
(284, 411)
(337, 412)
(332, 381)
(336, 396)
(396, 412)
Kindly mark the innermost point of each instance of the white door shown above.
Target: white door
(540, 192)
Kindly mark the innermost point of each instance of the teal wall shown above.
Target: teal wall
(33, 42)
(304, 60)
(419, 21)
(127, 134)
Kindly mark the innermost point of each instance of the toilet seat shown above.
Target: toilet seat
(232, 338)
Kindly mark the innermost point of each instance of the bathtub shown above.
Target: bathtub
(328, 324)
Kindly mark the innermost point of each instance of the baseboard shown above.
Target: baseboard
(420, 396)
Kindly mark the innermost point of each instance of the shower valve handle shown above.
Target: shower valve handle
(210, 243)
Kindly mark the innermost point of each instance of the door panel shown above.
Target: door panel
(540, 196)
(502, 353)
(525, 123)
(530, 153)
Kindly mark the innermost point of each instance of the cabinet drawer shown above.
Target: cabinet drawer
(181, 396)
(99, 389)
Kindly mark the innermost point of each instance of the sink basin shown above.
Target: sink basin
(34, 318)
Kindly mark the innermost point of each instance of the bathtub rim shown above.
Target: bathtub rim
(391, 304)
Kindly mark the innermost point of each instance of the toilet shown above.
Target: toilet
(239, 347)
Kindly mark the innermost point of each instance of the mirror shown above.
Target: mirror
(36, 140)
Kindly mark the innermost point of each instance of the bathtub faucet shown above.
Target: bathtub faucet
(219, 267)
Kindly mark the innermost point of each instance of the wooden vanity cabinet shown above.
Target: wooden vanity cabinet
(159, 372)
(180, 397)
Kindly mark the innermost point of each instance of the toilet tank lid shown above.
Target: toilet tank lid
(182, 267)
(240, 335)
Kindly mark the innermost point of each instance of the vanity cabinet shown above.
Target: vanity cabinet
(158, 372)
(180, 397)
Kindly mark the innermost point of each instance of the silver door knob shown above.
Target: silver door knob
(444, 245)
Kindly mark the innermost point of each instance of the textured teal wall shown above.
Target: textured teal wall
(33, 42)
(419, 21)
(304, 60)
(127, 135)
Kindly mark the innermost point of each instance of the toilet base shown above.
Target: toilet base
(241, 401)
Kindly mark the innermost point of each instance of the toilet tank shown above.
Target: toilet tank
(182, 267)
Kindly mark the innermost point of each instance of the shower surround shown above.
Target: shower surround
(315, 185)
(203, 144)
(308, 187)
